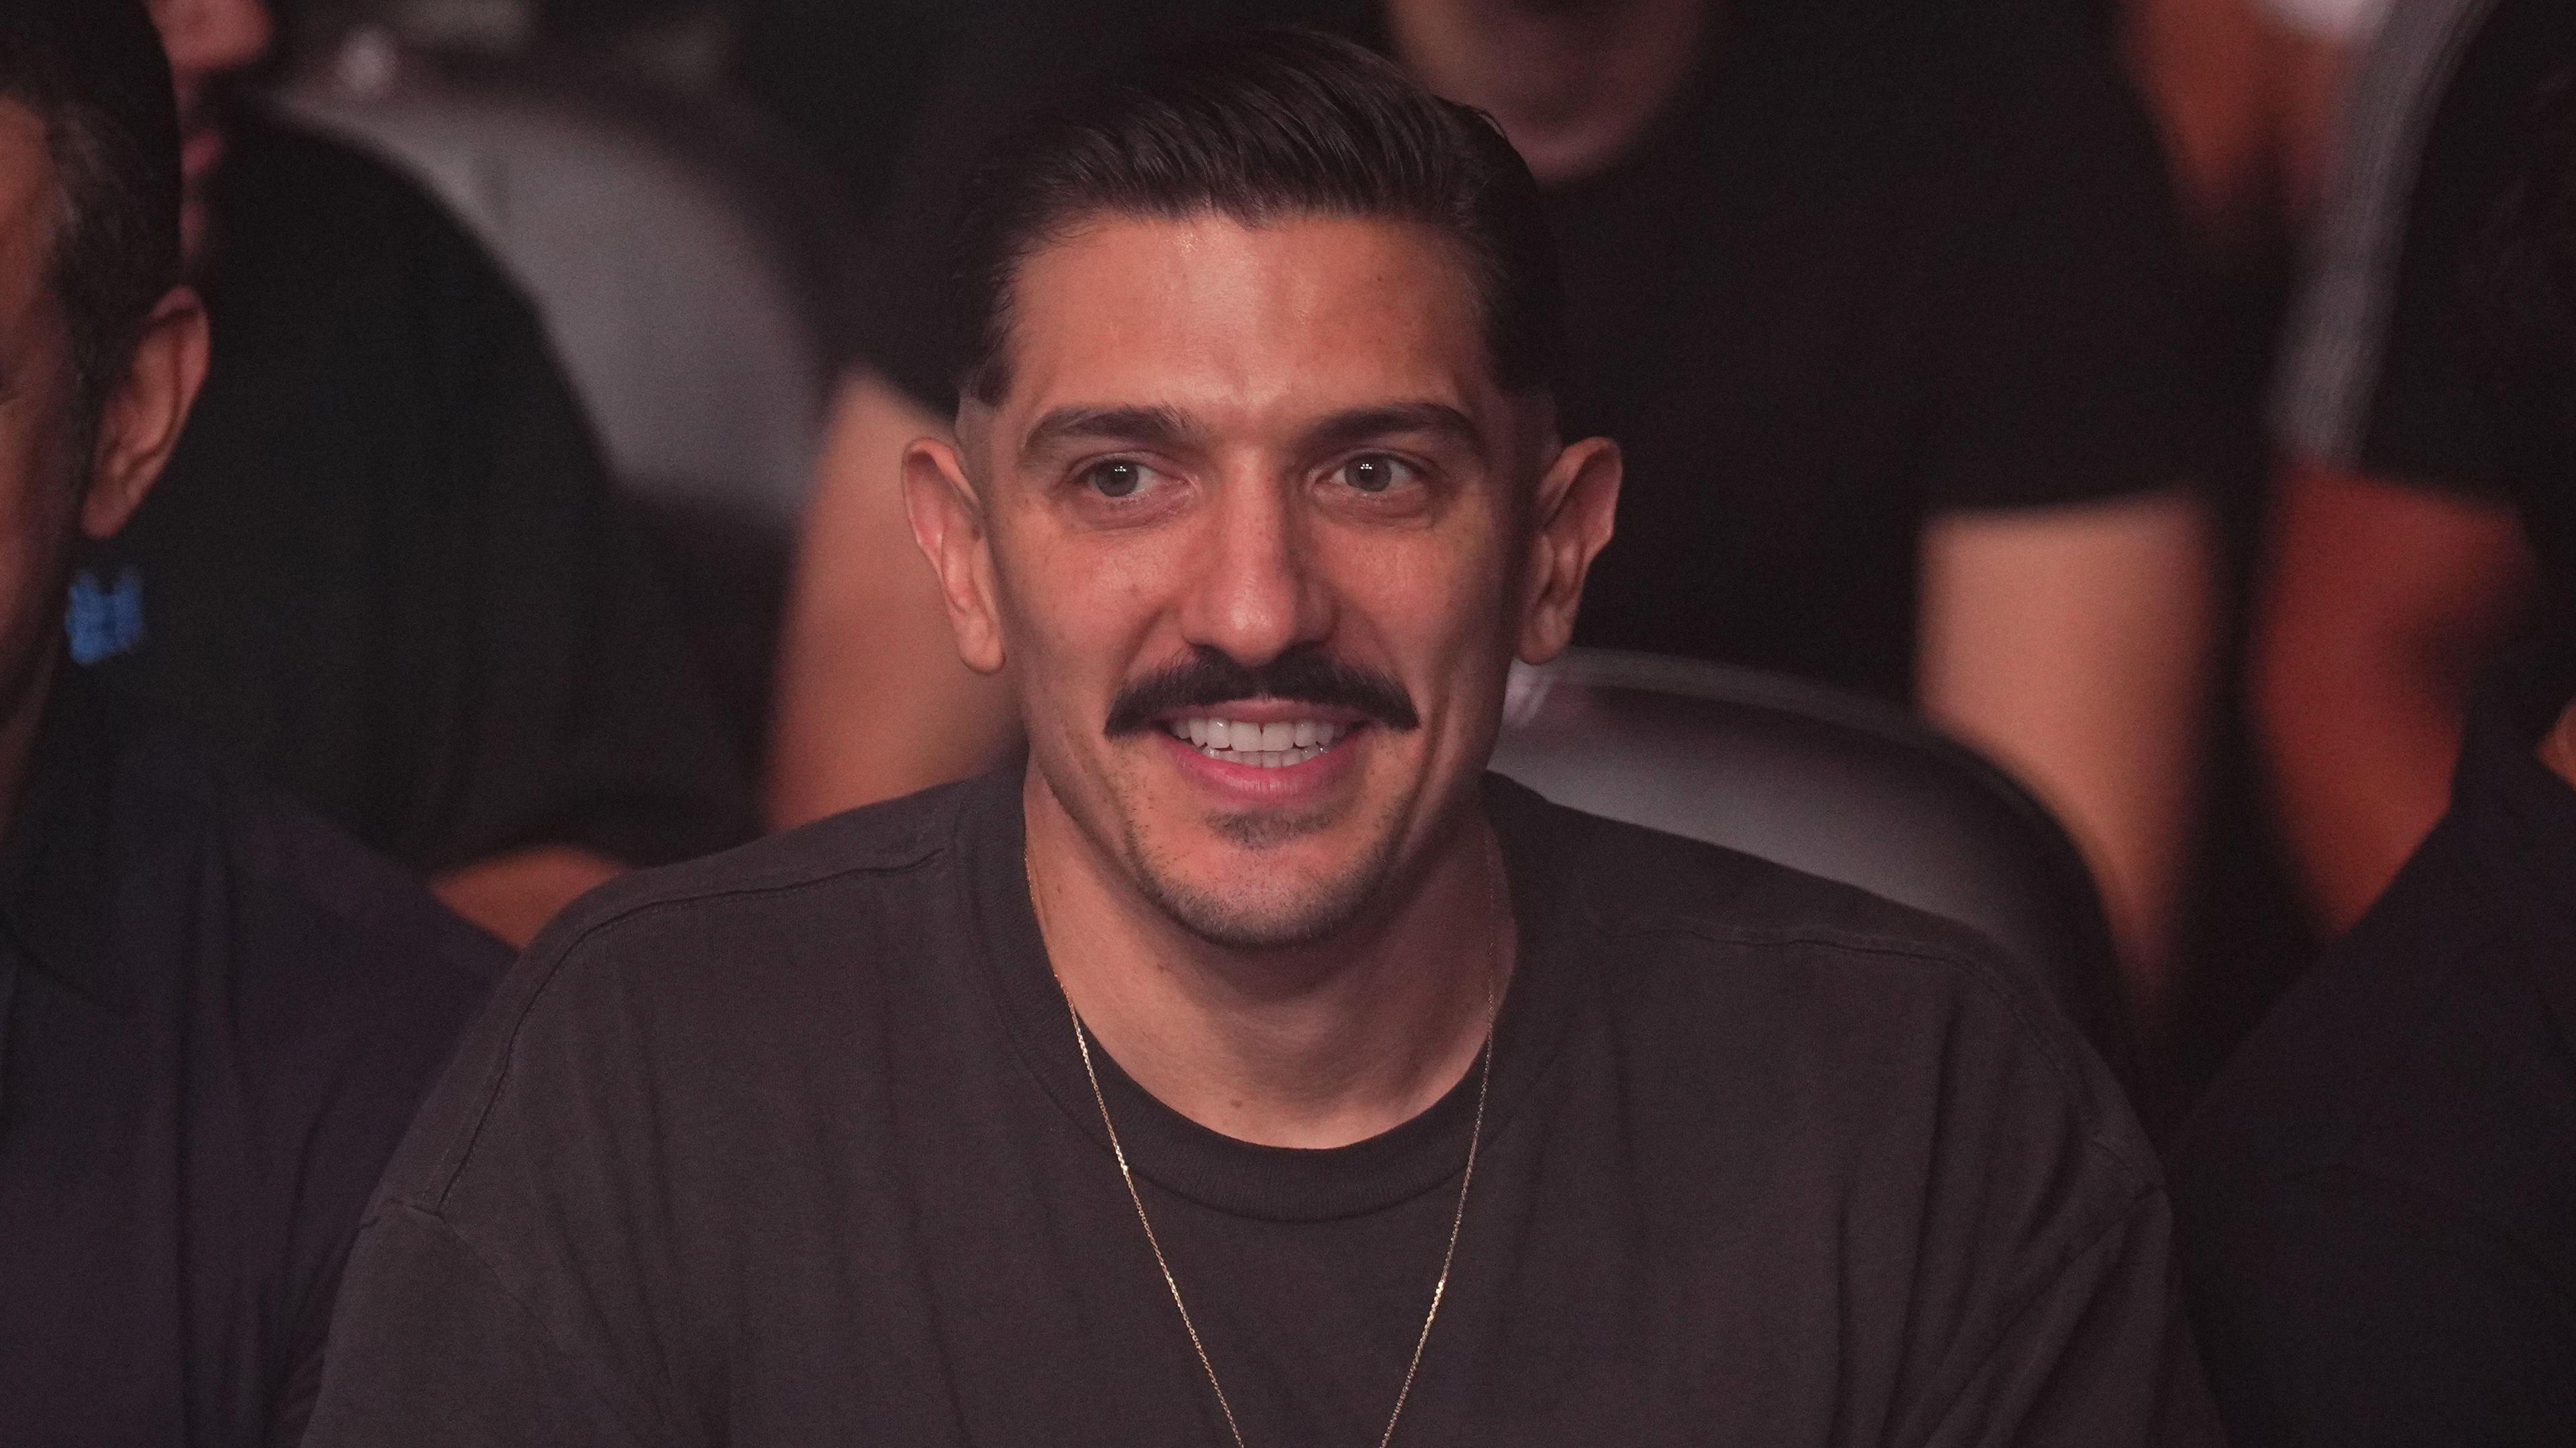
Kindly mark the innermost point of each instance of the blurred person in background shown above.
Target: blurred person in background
(2378, 1198)
(1888, 302)
(217, 1012)
(2245, 92)
(386, 566)
(2396, 569)
(2248, 92)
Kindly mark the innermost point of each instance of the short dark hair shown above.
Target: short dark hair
(1265, 125)
(93, 71)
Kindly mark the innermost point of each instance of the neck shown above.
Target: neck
(1312, 1046)
(1573, 83)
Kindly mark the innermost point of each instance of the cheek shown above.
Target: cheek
(38, 495)
(1077, 607)
(37, 510)
(1430, 599)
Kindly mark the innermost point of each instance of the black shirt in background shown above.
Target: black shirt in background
(2430, 416)
(1883, 259)
(216, 1016)
(793, 1146)
(386, 566)
(2379, 1197)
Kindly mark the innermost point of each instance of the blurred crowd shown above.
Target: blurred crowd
(1992, 407)
(2098, 380)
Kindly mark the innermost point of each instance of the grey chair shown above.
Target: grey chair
(1829, 783)
(676, 307)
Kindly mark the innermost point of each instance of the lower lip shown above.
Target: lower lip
(1252, 787)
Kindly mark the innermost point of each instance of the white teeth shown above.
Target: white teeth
(1260, 746)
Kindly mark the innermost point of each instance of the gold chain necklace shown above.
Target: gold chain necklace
(1457, 1219)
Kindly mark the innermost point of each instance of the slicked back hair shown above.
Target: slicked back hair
(1264, 127)
(93, 71)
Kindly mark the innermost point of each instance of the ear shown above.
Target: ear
(1577, 499)
(950, 527)
(146, 412)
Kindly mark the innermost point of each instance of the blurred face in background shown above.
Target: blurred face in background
(208, 40)
(1259, 536)
(41, 469)
(70, 466)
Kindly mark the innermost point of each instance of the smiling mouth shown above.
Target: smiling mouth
(1275, 745)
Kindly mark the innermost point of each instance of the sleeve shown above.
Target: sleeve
(564, 700)
(434, 1350)
(2378, 375)
(2099, 1356)
(517, 1279)
(2071, 305)
(348, 1052)
(2344, 1309)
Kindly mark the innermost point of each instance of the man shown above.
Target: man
(2378, 1194)
(216, 1012)
(2396, 571)
(1247, 1065)
(1887, 302)
(387, 567)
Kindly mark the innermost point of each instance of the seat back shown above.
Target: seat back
(1828, 783)
(680, 263)
(678, 309)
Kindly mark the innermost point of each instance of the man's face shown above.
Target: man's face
(40, 467)
(207, 40)
(1258, 518)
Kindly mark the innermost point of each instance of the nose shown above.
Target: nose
(206, 38)
(1255, 592)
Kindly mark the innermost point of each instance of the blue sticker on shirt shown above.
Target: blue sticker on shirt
(105, 621)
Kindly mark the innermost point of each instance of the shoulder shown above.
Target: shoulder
(858, 860)
(325, 222)
(1824, 979)
(1637, 883)
(2385, 1167)
(298, 895)
(317, 986)
(696, 978)
(286, 180)
(2419, 1054)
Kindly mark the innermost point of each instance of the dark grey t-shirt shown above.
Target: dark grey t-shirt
(793, 1146)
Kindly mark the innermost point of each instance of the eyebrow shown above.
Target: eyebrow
(1150, 426)
(1344, 429)
(1166, 427)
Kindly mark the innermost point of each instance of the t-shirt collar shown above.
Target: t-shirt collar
(1238, 1177)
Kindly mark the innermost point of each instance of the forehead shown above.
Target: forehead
(1236, 323)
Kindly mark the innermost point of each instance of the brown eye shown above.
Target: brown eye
(1116, 479)
(1376, 472)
